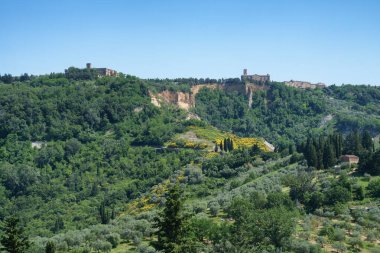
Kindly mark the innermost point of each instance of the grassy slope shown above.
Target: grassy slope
(210, 135)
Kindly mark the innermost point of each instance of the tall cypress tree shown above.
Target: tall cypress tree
(328, 156)
(50, 247)
(225, 145)
(338, 144)
(313, 158)
(353, 143)
(13, 240)
(170, 223)
(357, 142)
(58, 224)
(367, 142)
(104, 214)
(231, 145)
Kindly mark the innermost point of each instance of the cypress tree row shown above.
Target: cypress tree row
(324, 151)
(226, 145)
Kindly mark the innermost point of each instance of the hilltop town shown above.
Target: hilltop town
(265, 79)
(245, 78)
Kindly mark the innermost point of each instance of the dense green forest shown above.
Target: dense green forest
(285, 115)
(92, 139)
(85, 167)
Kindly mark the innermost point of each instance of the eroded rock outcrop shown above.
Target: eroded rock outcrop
(186, 100)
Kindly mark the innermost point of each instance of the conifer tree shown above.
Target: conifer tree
(320, 164)
(231, 145)
(58, 224)
(221, 146)
(367, 142)
(291, 149)
(50, 247)
(312, 157)
(255, 150)
(357, 142)
(225, 145)
(171, 222)
(338, 140)
(104, 214)
(353, 143)
(13, 240)
(328, 156)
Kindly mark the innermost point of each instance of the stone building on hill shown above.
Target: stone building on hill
(304, 85)
(351, 159)
(256, 79)
(102, 71)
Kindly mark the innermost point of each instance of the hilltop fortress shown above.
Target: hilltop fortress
(257, 79)
(102, 71)
(265, 80)
(89, 70)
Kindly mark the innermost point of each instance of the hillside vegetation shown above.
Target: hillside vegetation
(88, 164)
(285, 116)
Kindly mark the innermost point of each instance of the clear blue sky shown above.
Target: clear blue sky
(330, 41)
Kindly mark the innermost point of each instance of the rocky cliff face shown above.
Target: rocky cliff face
(186, 100)
(181, 99)
(250, 89)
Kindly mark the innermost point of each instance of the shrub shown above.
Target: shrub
(340, 247)
(338, 235)
(136, 239)
(321, 240)
(101, 246)
(145, 249)
(301, 247)
(337, 194)
(327, 231)
(371, 236)
(367, 177)
(373, 188)
(199, 208)
(214, 208)
(315, 248)
(114, 239)
(234, 184)
(194, 175)
(358, 192)
(355, 243)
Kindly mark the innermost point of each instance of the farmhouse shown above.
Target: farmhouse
(351, 159)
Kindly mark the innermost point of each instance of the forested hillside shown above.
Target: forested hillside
(90, 138)
(286, 116)
(88, 164)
